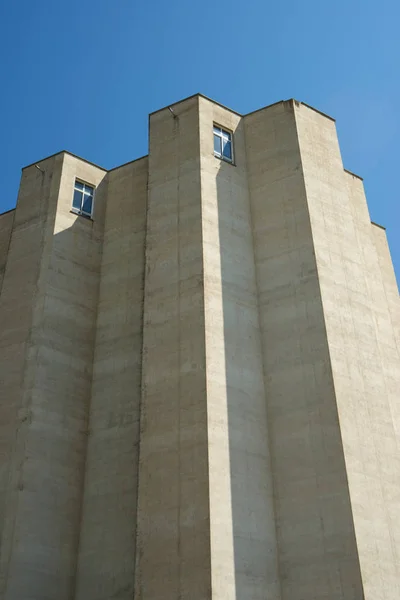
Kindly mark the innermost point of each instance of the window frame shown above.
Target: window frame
(229, 133)
(80, 211)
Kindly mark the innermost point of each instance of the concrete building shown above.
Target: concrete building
(200, 375)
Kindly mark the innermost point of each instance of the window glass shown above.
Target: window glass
(227, 153)
(77, 201)
(87, 204)
(82, 201)
(223, 143)
(217, 144)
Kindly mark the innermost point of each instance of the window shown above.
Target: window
(223, 144)
(82, 204)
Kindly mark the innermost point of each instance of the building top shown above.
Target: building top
(64, 152)
(198, 95)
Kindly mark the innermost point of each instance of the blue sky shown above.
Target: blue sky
(83, 75)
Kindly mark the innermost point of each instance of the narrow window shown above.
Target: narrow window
(223, 143)
(82, 202)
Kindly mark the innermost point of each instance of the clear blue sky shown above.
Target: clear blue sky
(83, 75)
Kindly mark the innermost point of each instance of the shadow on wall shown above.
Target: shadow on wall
(52, 447)
(292, 465)
(253, 522)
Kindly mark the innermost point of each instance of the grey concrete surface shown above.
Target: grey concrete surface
(199, 386)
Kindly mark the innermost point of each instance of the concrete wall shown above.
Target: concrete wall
(200, 385)
(48, 309)
(6, 224)
(242, 524)
(363, 349)
(317, 550)
(173, 540)
(108, 529)
(388, 277)
(21, 308)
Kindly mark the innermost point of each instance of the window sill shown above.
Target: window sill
(225, 160)
(78, 214)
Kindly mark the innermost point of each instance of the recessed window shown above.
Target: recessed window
(223, 143)
(82, 203)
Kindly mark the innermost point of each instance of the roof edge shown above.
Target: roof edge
(267, 106)
(128, 163)
(7, 211)
(354, 174)
(314, 109)
(64, 152)
(377, 225)
(197, 95)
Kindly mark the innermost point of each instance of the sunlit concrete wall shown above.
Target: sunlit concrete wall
(199, 385)
(108, 529)
(48, 307)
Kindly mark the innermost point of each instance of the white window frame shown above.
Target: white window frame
(225, 134)
(80, 211)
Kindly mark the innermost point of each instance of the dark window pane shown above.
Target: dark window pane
(77, 201)
(226, 135)
(89, 189)
(227, 150)
(78, 185)
(217, 129)
(87, 204)
(217, 145)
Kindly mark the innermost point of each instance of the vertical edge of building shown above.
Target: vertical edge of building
(316, 544)
(360, 309)
(173, 539)
(47, 315)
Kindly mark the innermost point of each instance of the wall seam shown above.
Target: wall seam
(179, 341)
(89, 405)
(204, 337)
(138, 592)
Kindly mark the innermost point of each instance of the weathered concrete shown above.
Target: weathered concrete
(6, 225)
(173, 511)
(47, 334)
(242, 523)
(317, 550)
(363, 350)
(199, 386)
(108, 528)
(21, 309)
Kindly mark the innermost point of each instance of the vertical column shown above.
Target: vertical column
(242, 524)
(363, 350)
(317, 549)
(108, 531)
(173, 542)
(21, 308)
(54, 268)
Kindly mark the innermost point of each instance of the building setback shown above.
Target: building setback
(199, 366)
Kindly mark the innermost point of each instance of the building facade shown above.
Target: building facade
(200, 375)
